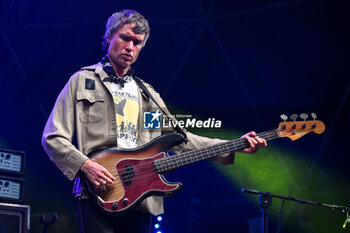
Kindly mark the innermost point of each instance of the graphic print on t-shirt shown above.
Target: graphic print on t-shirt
(119, 106)
(127, 112)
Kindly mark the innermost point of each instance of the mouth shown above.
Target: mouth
(127, 56)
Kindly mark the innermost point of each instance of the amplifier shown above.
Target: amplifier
(11, 189)
(14, 218)
(12, 162)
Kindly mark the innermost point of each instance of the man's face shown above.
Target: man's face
(124, 46)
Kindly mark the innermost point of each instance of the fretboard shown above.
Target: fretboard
(169, 163)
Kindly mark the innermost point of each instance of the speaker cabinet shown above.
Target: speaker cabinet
(14, 218)
(12, 162)
(11, 189)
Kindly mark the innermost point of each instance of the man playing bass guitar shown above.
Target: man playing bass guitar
(102, 106)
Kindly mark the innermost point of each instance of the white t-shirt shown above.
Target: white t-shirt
(126, 104)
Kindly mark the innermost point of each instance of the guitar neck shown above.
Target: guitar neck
(169, 163)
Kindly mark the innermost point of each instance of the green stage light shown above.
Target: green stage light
(283, 172)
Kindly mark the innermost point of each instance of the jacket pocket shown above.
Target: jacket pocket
(90, 106)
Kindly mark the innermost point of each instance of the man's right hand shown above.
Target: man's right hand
(97, 174)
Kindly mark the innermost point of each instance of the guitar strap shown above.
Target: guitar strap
(144, 88)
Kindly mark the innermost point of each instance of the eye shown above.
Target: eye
(137, 42)
(125, 38)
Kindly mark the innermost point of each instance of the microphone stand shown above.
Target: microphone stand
(265, 201)
(47, 221)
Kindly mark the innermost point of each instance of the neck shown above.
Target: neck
(169, 163)
(120, 71)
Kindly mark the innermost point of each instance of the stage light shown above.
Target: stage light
(159, 232)
(159, 218)
(156, 226)
(283, 171)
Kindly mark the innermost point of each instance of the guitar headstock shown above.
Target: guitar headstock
(296, 129)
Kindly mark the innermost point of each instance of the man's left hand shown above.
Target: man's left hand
(254, 141)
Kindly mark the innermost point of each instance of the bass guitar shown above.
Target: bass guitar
(139, 172)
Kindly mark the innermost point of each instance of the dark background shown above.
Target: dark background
(243, 62)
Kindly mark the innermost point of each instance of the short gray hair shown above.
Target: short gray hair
(119, 19)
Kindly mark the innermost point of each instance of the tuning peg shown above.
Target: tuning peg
(314, 116)
(294, 117)
(284, 117)
(304, 116)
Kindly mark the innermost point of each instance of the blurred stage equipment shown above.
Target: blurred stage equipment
(11, 189)
(14, 217)
(12, 168)
(12, 162)
(265, 200)
(47, 221)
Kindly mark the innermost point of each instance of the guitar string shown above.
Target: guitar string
(238, 142)
(140, 178)
(152, 171)
(223, 148)
(233, 143)
(188, 155)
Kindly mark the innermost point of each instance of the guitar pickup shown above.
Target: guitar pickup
(126, 176)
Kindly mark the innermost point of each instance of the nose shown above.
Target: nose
(130, 46)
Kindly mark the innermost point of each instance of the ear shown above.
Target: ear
(108, 40)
